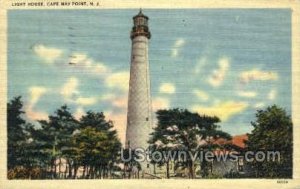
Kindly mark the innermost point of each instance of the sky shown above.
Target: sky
(223, 62)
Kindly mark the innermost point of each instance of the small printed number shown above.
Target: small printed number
(282, 182)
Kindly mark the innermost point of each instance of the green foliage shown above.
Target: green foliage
(15, 132)
(92, 142)
(96, 148)
(34, 150)
(179, 129)
(273, 131)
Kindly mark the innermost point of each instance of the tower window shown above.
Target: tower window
(147, 119)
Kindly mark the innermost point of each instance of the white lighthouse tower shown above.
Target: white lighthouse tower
(139, 100)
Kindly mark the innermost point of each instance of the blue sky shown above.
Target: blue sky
(224, 62)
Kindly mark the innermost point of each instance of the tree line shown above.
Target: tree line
(182, 130)
(35, 150)
(91, 143)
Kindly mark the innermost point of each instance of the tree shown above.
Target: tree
(35, 150)
(52, 139)
(21, 153)
(95, 146)
(181, 129)
(15, 133)
(273, 131)
(91, 143)
(98, 144)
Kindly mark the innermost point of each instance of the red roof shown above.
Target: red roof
(238, 140)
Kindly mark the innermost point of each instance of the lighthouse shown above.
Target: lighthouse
(139, 98)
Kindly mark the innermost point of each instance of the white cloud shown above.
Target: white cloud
(100, 68)
(256, 74)
(120, 102)
(179, 43)
(259, 105)
(218, 75)
(247, 94)
(160, 103)
(70, 88)
(119, 80)
(223, 110)
(35, 115)
(79, 58)
(176, 47)
(71, 94)
(272, 94)
(79, 113)
(108, 96)
(86, 64)
(86, 101)
(167, 88)
(119, 120)
(202, 95)
(36, 92)
(50, 54)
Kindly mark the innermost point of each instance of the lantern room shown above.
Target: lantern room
(140, 26)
